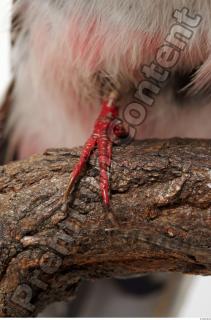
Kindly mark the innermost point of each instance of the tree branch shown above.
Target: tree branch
(160, 220)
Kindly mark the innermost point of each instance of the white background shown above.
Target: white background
(198, 300)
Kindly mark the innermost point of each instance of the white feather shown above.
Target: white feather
(64, 43)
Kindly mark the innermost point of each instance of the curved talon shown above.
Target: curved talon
(100, 138)
(89, 146)
(69, 190)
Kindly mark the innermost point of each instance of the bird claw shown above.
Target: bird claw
(99, 138)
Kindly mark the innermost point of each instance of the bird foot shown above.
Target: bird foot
(100, 139)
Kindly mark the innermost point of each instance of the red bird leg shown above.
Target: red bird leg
(100, 138)
(104, 164)
(80, 165)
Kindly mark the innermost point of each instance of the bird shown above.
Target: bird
(69, 57)
(78, 65)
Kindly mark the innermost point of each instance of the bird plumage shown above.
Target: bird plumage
(58, 47)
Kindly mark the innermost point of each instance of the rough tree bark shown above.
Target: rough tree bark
(160, 220)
